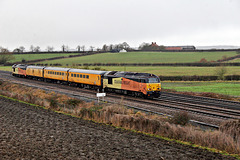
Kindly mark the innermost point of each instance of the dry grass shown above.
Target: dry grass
(226, 139)
(231, 127)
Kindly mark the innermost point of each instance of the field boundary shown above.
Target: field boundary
(196, 64)
(199, 78)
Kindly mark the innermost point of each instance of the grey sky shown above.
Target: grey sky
(98, 22)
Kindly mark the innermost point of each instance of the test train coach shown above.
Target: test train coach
(130, 83)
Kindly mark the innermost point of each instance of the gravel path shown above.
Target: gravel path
(28, 132)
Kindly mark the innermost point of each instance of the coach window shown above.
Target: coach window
(87, 76)
(74, 75)
(80, 76)
(71, 75)
(83, 76)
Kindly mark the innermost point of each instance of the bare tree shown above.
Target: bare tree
(32, 48)
(110, 47)
(64, 48)
(79, 48)
(104, 48)
(37, 49)
(83, 48)
(125, 45)
(17, 50)
(143, 45)
(22, 48)
(221, 72)
(5, 55)
(50, 48)
(91, 48)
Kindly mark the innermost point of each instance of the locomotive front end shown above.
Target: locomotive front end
(153, 87)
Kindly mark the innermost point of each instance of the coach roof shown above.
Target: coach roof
(87, 71)
(57, 69)
(36, 67)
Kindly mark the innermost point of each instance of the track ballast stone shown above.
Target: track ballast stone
(28, 132)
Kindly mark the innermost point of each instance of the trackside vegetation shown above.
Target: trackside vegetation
(222, 141)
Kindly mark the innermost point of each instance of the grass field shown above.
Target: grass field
(235, 60)
(167, 71)
(174, 71)
(226, 88)
(6, 68)
(27, 57)
(145, 57)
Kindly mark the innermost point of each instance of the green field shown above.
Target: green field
(6, 68)
(235, 60)
(27, 57)
(226, 88)
(145, 57)
(174, 71)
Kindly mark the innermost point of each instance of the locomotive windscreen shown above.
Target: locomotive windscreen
(153, 80)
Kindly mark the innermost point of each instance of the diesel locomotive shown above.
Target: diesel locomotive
(129, 83)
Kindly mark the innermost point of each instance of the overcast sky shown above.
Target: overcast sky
(98, 22)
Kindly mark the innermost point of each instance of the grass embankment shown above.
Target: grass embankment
(225, 140)
(224, 88)
(145, 57)
(27, 57)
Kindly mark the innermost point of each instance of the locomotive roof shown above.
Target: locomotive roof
(57, 69)
(130, 74)
(22, 66)
(87, 71)
(36, 67)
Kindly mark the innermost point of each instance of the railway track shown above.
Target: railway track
(208, 107)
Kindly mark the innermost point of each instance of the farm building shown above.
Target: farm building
(180, 47)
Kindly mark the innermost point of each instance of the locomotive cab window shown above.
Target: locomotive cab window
(110, 80)
(143, 81)
(153, 80)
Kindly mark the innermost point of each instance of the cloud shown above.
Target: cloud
(94, 22)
